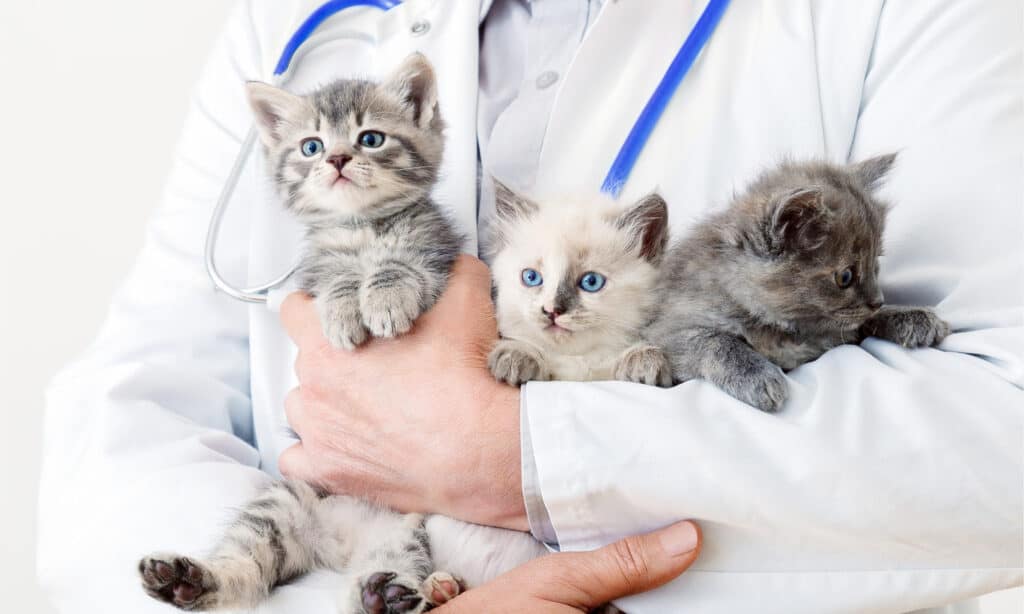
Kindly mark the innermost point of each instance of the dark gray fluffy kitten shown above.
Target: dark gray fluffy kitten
(356, 162)
(786, 272)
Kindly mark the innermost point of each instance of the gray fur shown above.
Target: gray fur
(289, 530)
(379, 250)
(379, 254)
(754, 290)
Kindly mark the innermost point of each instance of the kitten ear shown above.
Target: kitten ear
(511, 205)
(799, 222)
(276, 110)
(872, 171)
(646, 224)
(414, 83)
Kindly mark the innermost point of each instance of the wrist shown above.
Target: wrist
(491, 493)
(511, 513)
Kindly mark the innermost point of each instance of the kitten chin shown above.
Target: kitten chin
(575, 284)
(788, 271)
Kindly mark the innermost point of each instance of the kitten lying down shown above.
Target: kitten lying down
(788, 271)
(575, 285)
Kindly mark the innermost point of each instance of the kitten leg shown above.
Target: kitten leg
(337, 301)
(644, 364)
(731, 364)
(910, 327)
(516, 363)
(393, 295)
(391, 568)
(265, 546)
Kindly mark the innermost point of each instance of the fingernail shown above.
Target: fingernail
(680, 538)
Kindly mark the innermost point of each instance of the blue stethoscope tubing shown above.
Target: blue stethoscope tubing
(613, 183)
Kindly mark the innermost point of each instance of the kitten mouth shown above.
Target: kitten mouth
(555, 329)
(341, 181)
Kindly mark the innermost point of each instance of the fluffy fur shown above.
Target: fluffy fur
(379, 254)
(786, 272)
(379, 249)
(556, 329)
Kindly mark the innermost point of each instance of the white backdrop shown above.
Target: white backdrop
(85, 82)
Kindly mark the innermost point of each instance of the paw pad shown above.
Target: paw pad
(381, 594)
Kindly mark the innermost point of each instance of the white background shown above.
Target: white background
(93, 96)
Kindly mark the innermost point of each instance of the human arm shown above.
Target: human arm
(892, 480)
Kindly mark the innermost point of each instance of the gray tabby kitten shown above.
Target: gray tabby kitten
(786, 272)
(356, 162)
(575, 285)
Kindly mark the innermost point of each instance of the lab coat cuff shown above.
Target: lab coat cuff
(536, 512)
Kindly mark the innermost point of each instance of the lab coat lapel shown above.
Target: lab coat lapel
(734, 113)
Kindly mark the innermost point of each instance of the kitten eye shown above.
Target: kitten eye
(845, 277)
(371, 139)
(312, 147)
(531, 278)
(592, 282)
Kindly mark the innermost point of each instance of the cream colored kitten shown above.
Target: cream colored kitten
(575, 284)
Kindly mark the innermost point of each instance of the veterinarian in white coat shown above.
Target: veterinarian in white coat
(892, 480)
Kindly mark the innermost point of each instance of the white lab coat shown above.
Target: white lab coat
(892, 480)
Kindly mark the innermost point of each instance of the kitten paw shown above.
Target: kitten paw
(441, 587)
(763, 386)
(911, 328)
(644, 364)
(385, 593)
(179, 581)
(511, 364)
(389, 311)
(342, 323)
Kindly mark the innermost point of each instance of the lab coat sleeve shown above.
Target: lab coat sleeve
(892, 480)
(148, 435)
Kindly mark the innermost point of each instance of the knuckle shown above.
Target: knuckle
(630, 561)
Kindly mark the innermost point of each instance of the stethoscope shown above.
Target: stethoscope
(613, 183)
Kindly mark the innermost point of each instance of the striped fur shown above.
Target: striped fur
(288, 530)
(379, 252)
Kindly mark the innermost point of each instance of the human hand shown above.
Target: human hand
(416, 422)
(580, 581)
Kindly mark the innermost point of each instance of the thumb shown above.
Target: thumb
(633, 565)
(296, 464)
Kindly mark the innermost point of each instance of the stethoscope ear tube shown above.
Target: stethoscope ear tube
(255, 294)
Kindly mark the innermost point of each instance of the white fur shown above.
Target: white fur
(574, 236)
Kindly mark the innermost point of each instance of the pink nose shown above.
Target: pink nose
(339, 161)
(552, 314)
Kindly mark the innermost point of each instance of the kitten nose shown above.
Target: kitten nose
(552, 313)
(877, 302)
(339, 161)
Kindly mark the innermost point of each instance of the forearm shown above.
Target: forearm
(883, 459)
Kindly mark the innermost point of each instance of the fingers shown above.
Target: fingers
(626, 567)
(293, 411)
(300, 319)
(296, 464)
(466, 300)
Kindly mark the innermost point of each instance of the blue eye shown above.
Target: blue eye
(532, 278)
(592, 282)
(311, 147)
(845, 277)
(371, 139)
